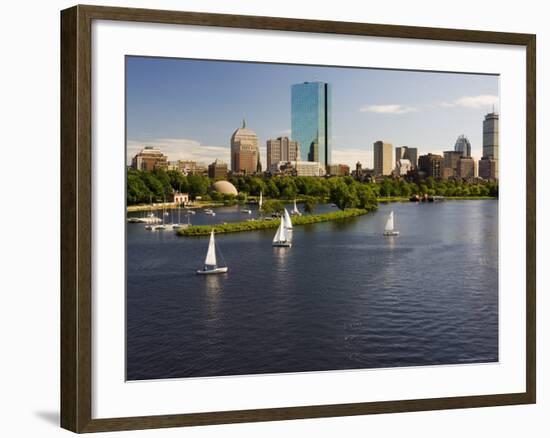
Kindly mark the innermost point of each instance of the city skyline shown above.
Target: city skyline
(190, 108)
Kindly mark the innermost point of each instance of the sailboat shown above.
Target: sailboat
(151, 219)
(295, 211)
(389, 230)
(210, 263)
(178, 225)
(260, 202)
(282, 236)
(162, 226)
(287, 220)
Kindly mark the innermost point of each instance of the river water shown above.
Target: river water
(343, 297)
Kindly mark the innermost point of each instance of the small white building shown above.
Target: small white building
(308, 168)
(180, 198)
(297, 168)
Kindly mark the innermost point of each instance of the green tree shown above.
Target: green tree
(154, 185)
(366, 198)
(343, 195)
(178, 181)
(405, 190)
(430, 182)
(310, 205)
(272, 206)
(216, 196)
(271, 189)
(136, 190)
(164, 179)
(198, 185)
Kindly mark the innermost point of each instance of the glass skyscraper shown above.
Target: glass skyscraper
(311, 123)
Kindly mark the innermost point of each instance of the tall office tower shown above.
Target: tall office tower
(311, 120)
(431, 164)
(490, 136)
(463, 145)
(382, 158)
(407, 153)
(244, 150)
(282, 149)
(488, 165)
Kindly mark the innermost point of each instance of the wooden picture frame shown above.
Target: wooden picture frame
(76, 217)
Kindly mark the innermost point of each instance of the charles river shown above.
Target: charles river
(343, 297)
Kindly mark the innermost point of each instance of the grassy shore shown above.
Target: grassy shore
(235, 227)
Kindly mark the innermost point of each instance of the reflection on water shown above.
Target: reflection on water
(214, 291)
(343, 297)
(391, 241)
(213, 284)
(280, 256)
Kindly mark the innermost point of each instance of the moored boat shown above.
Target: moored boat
(295, 211)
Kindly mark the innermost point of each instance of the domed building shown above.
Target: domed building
(245, 155)
(224, 187)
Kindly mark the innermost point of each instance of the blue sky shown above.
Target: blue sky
(190, 108)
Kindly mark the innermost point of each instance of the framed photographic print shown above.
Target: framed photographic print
(269, 218)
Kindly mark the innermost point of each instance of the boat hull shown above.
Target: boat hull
(282, 244)
(391, 233)
(212, 271)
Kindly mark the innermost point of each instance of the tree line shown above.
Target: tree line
(345, 192)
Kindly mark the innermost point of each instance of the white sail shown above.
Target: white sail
(287, 221)
(295, 210)
(211, 254)
(277, 234)
(389, 223)
(280, 235)
(260, 202)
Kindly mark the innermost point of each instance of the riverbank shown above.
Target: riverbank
(235, 227)
(387, 199)
(170, 206)
(253, 199)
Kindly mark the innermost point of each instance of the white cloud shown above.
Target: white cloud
(387, 109)
(481, 101)
(180, 149)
